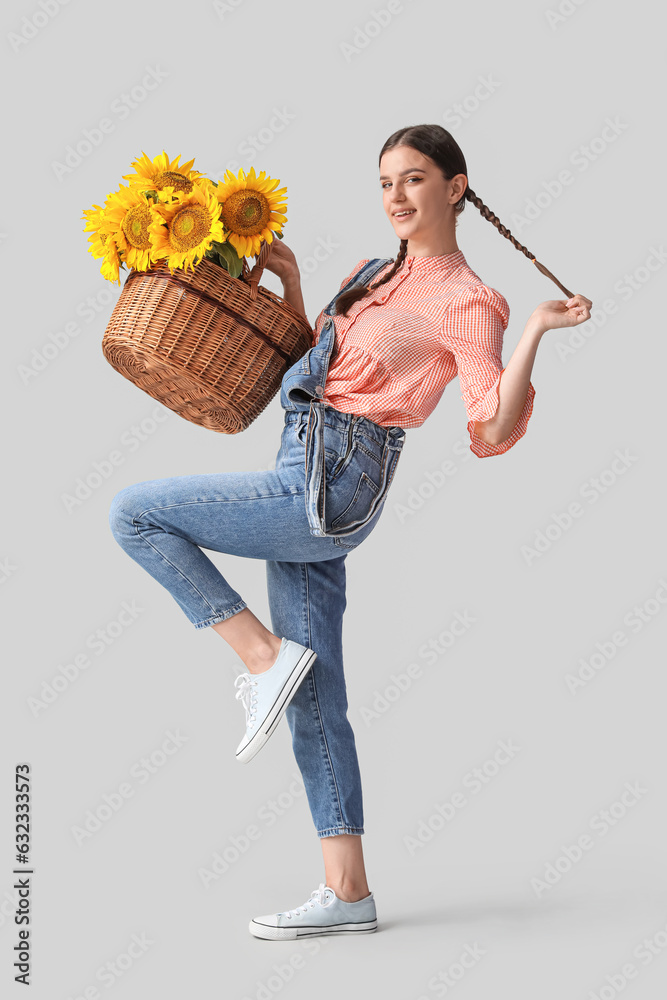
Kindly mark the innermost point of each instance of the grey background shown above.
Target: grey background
(557, 79)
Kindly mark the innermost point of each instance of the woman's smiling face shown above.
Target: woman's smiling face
(418, 201)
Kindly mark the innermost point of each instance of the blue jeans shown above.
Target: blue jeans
(324, 497)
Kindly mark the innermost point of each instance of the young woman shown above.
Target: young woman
(383, 351)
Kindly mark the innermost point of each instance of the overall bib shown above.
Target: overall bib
(341, 497)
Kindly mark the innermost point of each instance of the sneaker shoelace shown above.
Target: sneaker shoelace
(247, 693)
(317, 897)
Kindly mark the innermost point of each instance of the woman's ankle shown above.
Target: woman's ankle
(349, 893)
(264, 656)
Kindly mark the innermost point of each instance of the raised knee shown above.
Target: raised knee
(122, 510)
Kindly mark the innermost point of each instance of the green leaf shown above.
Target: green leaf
(230, 259)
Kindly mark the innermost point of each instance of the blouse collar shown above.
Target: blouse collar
(435, 265)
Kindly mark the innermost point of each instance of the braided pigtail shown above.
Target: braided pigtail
(488, 214)
(345, 300)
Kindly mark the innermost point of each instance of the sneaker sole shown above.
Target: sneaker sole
(278, 708)
(290, 933)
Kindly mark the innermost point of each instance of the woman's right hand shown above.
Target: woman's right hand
(281, 261)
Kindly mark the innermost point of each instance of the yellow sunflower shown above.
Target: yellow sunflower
(185, 228)
(111, 262)
(97, 239)
(127, 216)
(250, 210)
(163, 175)
(101, 243)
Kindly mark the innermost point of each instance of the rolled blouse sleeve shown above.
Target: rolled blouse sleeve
(473, 330)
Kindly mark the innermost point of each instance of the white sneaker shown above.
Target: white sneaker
(265, 696)
(322, 913)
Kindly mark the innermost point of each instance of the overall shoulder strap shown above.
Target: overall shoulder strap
(367, 272)
(363, 276)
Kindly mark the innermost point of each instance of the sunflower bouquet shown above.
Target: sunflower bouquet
(192, 326)
(171, 211)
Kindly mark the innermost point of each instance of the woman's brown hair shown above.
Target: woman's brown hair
(441, 147)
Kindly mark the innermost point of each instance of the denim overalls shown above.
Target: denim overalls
(350, 460)
(166, 524)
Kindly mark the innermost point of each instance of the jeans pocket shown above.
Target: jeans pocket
(342, 447)
(357, 490)
(301, 428)
(354, 497)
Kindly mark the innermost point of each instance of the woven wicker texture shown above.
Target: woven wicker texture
(210, 347)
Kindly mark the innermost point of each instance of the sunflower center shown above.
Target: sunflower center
(178, 181)
(135, 226)
(246, 213)
(190, 225)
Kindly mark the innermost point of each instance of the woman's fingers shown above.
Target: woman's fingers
(581, 306)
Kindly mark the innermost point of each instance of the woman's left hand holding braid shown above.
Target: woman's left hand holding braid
(557, 313)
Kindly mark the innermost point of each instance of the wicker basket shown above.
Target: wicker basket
(210, 347)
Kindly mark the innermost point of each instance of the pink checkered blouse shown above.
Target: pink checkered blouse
(399, 347)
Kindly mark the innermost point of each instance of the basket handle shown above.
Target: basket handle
(252, 277)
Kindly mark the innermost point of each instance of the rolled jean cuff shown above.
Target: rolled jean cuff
(335, 831)
(222, 615)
